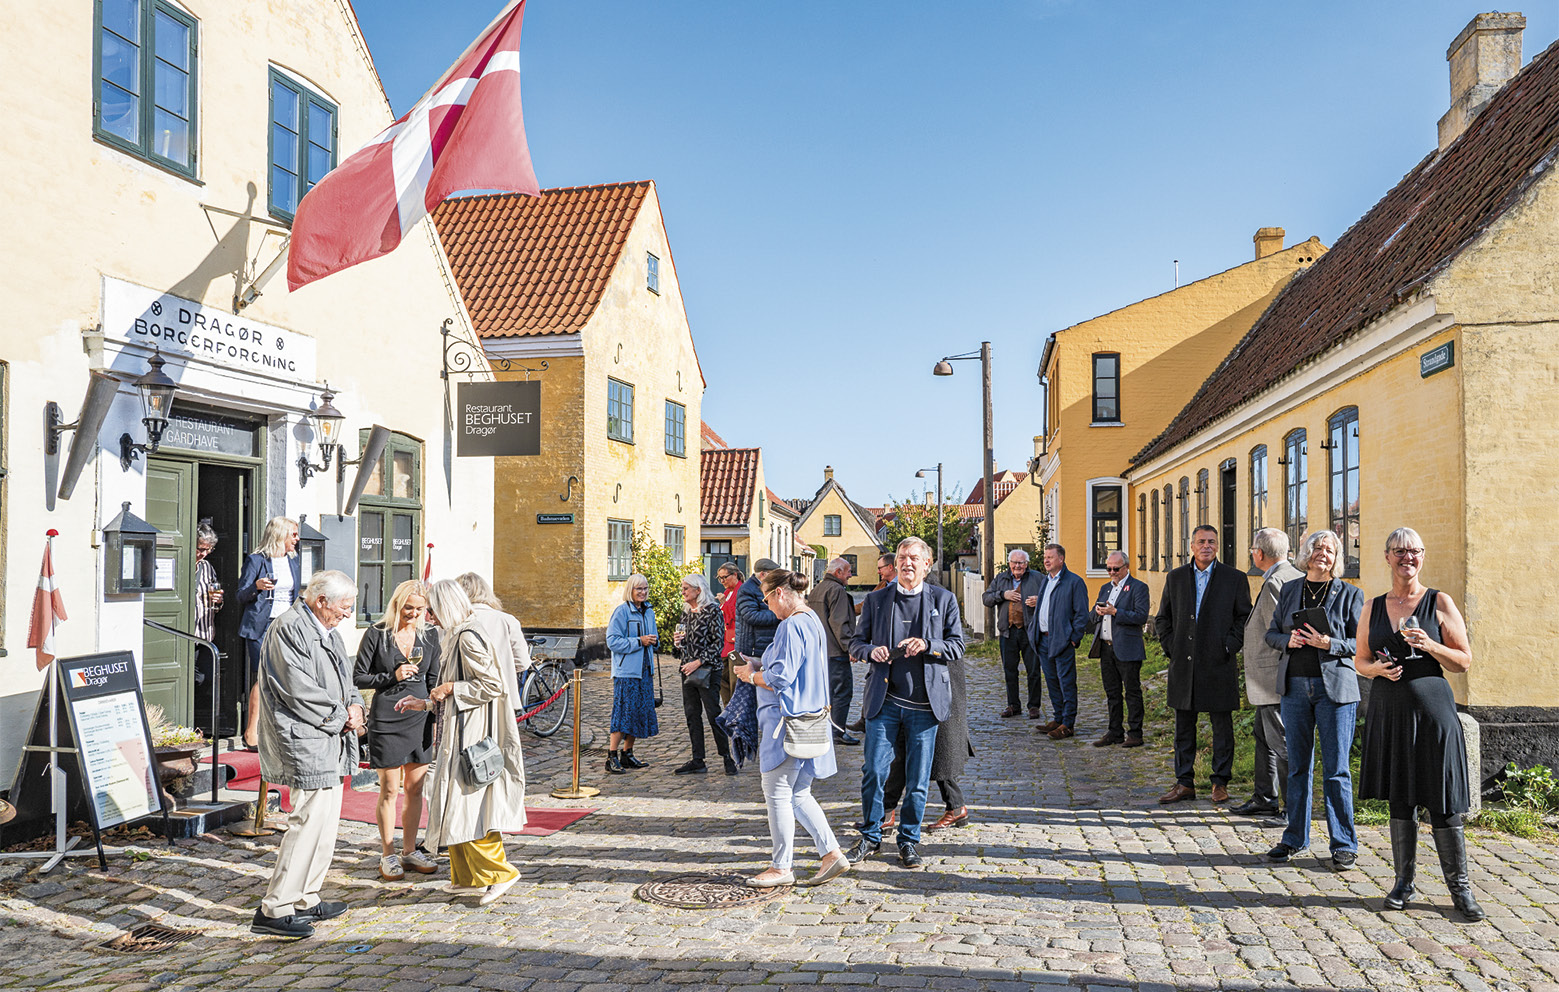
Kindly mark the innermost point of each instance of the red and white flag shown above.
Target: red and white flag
(48, 608)
(427, 564)
(466, 133)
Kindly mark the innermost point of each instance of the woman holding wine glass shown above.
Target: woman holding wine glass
(1414, 752)
(397, 658)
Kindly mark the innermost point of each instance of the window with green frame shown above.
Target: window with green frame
(619, 410)
(389, 526)
(676, 429)
(144, 81)
(619, 549)
(302, 142)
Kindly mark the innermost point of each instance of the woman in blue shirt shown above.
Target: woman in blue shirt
(631, 637)
(792, 680)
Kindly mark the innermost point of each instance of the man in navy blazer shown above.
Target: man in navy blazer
(1116, 624)
(1056, 628)
(909, 632)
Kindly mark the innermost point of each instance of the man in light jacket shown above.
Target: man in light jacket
(1268, 552)
(1015, 593)
(831, 602)
(310, 716)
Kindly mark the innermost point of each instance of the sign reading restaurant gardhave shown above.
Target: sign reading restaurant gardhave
(142, 316)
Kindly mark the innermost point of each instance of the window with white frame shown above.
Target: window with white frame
(1106, 520)
(1169, 526)
(1203, 497)
(619, 549)
(1185, 519)
(1142, 530)
(1258, 489)
(1342, 451)
(652, 273)
(833, 525)
(676, 541)
(1153, 516)
(1296, 503)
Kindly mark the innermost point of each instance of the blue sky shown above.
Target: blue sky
(853, 189)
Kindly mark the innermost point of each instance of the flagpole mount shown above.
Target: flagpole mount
(460, 357)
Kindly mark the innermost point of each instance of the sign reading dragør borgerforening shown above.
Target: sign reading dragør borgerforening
(498, 418)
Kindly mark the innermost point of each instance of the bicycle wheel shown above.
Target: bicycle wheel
(541, 685)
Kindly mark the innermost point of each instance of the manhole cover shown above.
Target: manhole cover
(149, 938)
(699, 890)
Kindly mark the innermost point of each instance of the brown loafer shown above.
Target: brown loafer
(1034, 713)
(1131, 741)
(1220, 794)
(1179, 793)
(1061, 733)
(952, 818)
(1011, 711)
(1107, 740)
(1048, 726)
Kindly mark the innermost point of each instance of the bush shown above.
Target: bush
(655, 563)
(1532, 788)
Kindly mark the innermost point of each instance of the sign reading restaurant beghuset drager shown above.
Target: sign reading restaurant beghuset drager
(498, 418)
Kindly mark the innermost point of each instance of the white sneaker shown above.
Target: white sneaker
(463, 889)
(496, 892)
(420, 863)
(390, 868)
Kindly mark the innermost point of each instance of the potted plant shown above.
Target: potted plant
(176, 748)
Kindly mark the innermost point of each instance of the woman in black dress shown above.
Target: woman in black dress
(1414, 753)
(398, 657)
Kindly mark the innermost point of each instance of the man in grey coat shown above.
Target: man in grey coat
(831, 602)
(310, 716)
(1268, 552)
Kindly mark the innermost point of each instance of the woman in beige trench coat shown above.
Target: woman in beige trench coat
(482, 694)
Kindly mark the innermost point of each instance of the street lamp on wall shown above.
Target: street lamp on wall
(327, 424)
(156, 391)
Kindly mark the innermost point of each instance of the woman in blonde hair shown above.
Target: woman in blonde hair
(631, 637)
(397, 657)
(476, 702)
(270, 583)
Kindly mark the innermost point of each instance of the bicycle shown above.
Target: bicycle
(544, 698)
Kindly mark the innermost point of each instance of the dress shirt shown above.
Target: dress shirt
(1105, 630)
(1051, 581)
(1202, 576)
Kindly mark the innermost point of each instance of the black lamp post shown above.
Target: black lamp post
(921, 475)
(945, 367)
(156, 391)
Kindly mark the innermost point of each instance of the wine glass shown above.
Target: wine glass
(1410, 623)
(416, 657)
(214, 594)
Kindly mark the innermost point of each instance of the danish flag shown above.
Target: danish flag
(48, 608)
(467, 133)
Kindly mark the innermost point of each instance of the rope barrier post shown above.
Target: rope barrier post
(577, 791)
(259, 828)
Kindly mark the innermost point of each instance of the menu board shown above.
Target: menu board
(108, 721)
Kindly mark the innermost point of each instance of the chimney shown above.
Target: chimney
(1483, 57)
(1269, 241)
(828, 473)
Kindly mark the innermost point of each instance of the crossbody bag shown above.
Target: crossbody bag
(482, 762)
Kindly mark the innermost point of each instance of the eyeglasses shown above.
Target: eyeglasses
(1402, 553)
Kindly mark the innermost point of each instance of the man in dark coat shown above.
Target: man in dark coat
(1201, 623)
(755, 622)
(831, 602)
(1056, 628)
(911, 634)
(1015, 594)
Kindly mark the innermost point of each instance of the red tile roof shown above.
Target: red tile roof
(781, 504)
(728, 479)
(1418, 228)
(708, 438)
(537, 264)
(1002, 485)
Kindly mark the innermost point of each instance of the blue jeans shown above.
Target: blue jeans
(1061, 677)
(919, 744)
(1307, 709)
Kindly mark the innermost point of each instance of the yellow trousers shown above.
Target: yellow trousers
(480, 862)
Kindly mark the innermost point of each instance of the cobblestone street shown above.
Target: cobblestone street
(1068, 876)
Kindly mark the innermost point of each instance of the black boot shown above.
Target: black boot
(629, 761)
(1404, 856)
(614, 763)
(1452, 845)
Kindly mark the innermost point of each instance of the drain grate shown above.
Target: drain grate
(150, 938)
(701, 890)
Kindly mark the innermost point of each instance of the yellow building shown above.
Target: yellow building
(841, 527)
(1406, 379)
(143, 202)
(578, 284)
(1112, 384)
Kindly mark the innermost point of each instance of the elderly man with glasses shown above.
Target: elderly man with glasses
(1116, 623)
(310, 717)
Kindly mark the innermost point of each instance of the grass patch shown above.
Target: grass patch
(1519, 821)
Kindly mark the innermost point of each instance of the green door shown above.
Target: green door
(167, 662)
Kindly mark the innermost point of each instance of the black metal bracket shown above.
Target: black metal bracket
(460, 357)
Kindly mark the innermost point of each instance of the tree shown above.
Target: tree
(917, 517)
(655, 563)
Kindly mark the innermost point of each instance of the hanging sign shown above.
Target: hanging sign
(114, 741)
(498, 418)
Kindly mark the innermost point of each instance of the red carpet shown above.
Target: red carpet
(359, 806)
